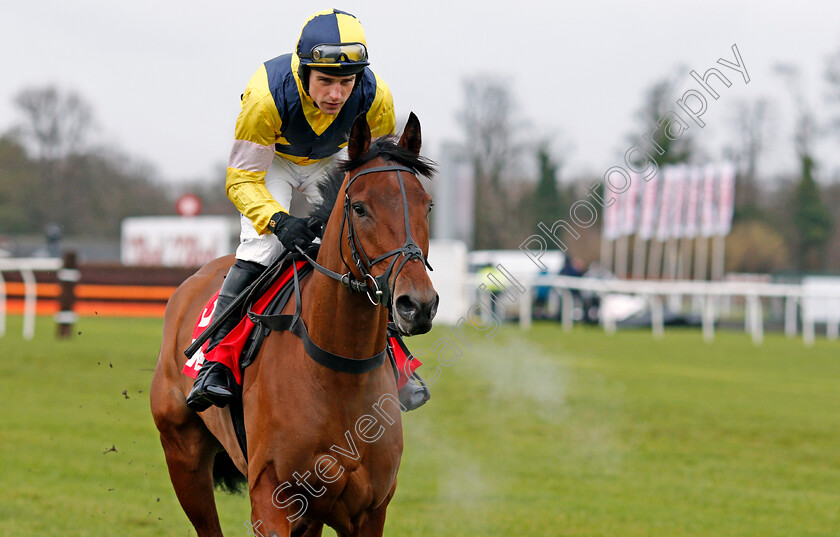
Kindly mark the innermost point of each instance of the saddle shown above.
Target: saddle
(241, 345)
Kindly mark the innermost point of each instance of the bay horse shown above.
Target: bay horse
(324, 446)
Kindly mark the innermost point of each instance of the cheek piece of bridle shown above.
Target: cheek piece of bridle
(378, 289)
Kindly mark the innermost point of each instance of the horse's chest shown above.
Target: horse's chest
(356, 471)
(337, 455)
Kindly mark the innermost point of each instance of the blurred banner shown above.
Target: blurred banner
(726, 198)
(666, 204)
(648, 217)
(678, 208)
(695, 178)
(628, 203)
(685, 202)
(172, 241)
(680, 202)
(709, 198)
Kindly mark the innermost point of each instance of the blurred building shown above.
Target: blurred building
(452, 217)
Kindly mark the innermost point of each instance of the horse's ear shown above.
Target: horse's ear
(411, 138)
(359, 141)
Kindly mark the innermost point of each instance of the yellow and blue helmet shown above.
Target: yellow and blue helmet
(332, 42)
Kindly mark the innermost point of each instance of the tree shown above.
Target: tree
(60, 180)
(750, 125)
(754, 246)
(490, 133)
(20, 183)
(811, 218)
(832, 76)
(658, 101)
(547, 202)
(56, 123)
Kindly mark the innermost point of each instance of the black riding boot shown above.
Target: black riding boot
(414, 394)
(214, 383)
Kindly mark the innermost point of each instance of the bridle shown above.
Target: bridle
(378, 289)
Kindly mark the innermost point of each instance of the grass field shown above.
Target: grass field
(538, 433)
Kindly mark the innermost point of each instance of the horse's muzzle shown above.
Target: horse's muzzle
(413, 315)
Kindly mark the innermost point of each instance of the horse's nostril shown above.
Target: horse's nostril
(407, 307)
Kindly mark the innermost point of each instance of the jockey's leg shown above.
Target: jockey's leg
(413, 392)
(214, 383)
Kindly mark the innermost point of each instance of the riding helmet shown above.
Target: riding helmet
(332, 42)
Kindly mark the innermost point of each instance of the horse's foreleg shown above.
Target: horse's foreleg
(307, 528)
(190, 451)
(272, 512)
(373, 523)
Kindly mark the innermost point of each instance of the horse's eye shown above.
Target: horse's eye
(430, 206)
(359, 209)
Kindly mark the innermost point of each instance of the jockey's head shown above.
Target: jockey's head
(331, 48)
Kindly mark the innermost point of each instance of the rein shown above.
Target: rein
(377, 288)
(294, 324)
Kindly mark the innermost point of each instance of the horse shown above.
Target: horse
(323, 446)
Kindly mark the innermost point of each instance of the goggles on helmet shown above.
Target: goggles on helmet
(336, 53)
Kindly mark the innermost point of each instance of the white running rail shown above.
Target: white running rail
(27, 266)
(707, 293)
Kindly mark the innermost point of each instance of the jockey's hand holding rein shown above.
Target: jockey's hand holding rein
(291, 231)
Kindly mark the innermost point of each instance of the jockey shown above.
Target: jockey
(296, 116)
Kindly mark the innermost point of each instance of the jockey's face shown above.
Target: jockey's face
(330, 92)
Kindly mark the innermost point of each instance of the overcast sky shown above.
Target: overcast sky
(164, 77)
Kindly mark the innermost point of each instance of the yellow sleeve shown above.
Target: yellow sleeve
(380, 117)
(253, 150)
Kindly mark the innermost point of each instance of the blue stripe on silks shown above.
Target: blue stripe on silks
(294, 126)
(321, 29)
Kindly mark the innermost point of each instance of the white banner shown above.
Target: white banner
(175, 241)
(726, 198)
(708, 215)
(695, 182)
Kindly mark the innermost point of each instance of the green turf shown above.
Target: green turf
(528, 433)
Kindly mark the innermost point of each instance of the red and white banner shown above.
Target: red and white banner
(175, 241)
(612, 216)
(630, 211)
(708, 215)
(648, 202)
(691, 200)
(726, 198)
(678, 208)
(692, 208)
(666, 205)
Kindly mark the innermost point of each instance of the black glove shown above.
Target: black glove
(291, 230)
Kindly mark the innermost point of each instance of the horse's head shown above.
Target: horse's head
(384, 223)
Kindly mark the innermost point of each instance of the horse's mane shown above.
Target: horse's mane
(385, 147)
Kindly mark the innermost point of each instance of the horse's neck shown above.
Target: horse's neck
(340, 321)
(343, 322)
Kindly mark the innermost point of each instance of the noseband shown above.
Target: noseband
(377, 288)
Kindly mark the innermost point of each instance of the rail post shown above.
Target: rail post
(67, 276)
